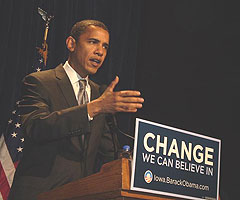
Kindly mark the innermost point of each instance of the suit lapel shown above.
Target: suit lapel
(65, 85)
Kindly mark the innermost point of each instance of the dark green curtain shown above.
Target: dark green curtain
(22, 30)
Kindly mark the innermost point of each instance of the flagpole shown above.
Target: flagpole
(44, 50)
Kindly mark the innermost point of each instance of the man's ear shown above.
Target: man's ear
(70, 43)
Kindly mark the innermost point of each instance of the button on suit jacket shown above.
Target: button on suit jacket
(51, 121)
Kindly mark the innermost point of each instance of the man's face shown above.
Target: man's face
(89, 52)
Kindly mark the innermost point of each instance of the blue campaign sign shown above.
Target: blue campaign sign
(173, 162)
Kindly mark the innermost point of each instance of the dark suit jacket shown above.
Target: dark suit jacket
(53, 123)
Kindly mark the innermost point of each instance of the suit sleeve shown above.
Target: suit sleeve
(42, 125)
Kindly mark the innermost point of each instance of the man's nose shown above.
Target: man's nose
(99, 51)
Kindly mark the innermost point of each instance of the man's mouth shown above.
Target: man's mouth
(95, 60)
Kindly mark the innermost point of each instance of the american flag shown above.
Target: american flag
(12, 141)
(11, 148)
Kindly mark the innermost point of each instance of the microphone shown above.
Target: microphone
(111, 119)
(112, 123)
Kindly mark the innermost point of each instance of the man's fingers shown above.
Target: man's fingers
(120, 101)
(130, 107)
(132, 99)
(113, 84)
(128, 93)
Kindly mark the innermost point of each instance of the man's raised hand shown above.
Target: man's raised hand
(112, 102)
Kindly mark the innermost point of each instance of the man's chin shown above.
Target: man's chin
(93, 71)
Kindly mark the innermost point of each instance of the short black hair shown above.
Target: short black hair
(80, 27)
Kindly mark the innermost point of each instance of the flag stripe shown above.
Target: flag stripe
(4, 186)
(6, 161)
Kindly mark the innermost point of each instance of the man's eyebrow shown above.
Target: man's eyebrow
(96, 40)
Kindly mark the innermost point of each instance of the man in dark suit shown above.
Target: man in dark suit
(63, 116)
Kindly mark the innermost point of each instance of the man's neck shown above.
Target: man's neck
(76, 69)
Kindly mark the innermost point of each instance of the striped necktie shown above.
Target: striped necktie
(82, 99)
(82, 94)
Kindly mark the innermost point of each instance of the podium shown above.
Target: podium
(111, 183)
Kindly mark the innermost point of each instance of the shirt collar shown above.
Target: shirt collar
(72, 74)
